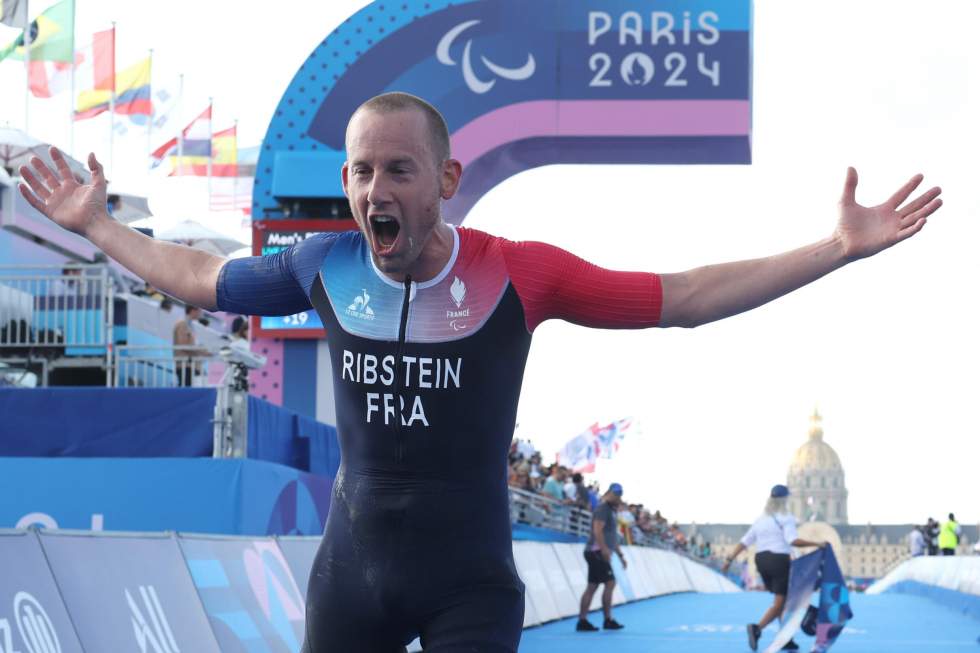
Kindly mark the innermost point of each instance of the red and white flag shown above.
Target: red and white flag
(94, 68)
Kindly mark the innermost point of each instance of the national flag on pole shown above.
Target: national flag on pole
(52, 36)
(93, 66)
(48, 78)
(580, 453)
(231, 193)
(132, 90)
(197, 148)
(609, 437)
(224, 155)
(13, 12)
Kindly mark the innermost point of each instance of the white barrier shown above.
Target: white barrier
(573, 564)
(535, 582)
(957, 573)
(561, 591)
(555, 575)
(637, 572)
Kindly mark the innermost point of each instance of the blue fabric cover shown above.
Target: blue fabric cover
(107, 422)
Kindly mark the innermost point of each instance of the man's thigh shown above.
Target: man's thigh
(484, 619)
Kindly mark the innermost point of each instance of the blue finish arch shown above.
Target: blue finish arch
(523, 84)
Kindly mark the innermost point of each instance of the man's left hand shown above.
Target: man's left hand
(866, 230)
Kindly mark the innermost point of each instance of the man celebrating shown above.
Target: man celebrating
(427, 368)
(603, 541)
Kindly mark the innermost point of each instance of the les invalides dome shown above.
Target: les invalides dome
(816, 480)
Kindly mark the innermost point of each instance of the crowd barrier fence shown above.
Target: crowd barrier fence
(67, 591)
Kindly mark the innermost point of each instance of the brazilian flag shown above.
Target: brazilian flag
(52, 36)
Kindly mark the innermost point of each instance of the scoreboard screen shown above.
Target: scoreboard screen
(271, 236)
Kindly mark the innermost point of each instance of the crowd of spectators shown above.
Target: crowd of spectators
(638, 525)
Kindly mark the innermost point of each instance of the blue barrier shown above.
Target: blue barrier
(282, 436)
(967, 604)
(537, 534)
(106, 422)
(201, 495)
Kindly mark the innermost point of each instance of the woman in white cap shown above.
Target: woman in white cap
(774, 535)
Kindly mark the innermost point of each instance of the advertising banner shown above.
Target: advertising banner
(249, 593)
(299, 553)
(33, 618)
(128, 593)
(244, 497)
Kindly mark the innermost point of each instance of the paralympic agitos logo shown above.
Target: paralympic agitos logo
(474, 83)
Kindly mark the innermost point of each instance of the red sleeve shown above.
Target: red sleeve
(553, 283)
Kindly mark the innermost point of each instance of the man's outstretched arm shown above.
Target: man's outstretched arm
(188, 274)
(714, 292)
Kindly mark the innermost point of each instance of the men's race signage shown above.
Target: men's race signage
(525, 84)
(272, 236)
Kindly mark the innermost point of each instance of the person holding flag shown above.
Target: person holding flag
(774, 536)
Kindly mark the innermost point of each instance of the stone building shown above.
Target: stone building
(816, 480)
(818, 498)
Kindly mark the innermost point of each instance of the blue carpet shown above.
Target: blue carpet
(711, 623)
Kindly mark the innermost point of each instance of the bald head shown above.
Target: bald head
(394, 102)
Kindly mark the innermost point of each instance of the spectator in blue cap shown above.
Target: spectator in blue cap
(774, 536)
(603, 540)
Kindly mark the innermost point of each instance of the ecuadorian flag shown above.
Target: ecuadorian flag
(132, 94)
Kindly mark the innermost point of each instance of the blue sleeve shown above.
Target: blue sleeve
(278, 284)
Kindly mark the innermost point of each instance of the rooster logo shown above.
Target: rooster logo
(360, 304)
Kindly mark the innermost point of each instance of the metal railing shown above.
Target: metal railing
(545, 512)
(162, 366)
(52, 311)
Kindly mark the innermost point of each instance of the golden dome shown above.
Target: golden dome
(815, 454)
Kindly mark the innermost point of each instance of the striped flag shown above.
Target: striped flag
(93, 66)
(196, 148)
(132, 94)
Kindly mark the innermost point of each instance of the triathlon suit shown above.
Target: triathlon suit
(426, 379)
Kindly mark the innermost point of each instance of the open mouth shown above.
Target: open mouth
(385, 230)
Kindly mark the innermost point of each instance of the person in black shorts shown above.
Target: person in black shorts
(774, 535)
(603, 540)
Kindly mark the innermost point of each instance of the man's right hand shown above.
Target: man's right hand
(60, 197)
(190, 275)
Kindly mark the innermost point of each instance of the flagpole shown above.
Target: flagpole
(27, 65)
(210, 145)
(234, 180)
(149, 124)
(112, 102)
(71, 100)
(180, 130)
